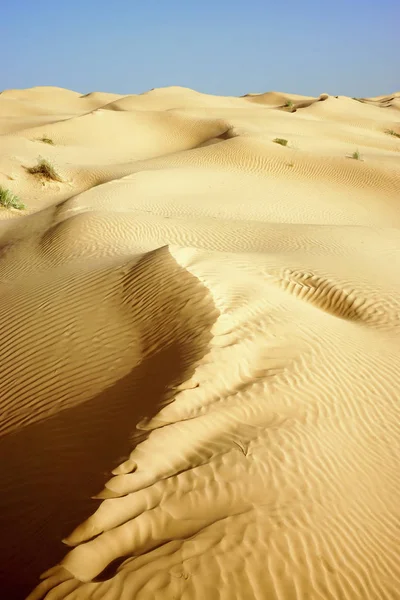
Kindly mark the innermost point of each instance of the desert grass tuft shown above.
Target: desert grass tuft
(46, 140)
(356, 155)
(45, 170)
(281, 141)
(10, 200)
(391, 132)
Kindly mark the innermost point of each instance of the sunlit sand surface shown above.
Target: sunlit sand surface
(200, 326)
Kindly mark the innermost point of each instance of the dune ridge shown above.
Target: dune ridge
(200, 346)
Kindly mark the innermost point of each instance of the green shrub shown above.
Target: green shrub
(10, 200)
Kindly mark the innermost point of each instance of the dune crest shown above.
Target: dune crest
(200, 346)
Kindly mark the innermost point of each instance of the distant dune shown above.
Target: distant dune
(200, 346)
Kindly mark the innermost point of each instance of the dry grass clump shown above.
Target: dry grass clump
(281, 141)
(45, 170)
(46, 140)
(392, 132)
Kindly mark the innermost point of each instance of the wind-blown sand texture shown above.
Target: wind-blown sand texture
(204, 325)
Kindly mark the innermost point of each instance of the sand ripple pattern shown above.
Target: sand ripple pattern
(200, 355)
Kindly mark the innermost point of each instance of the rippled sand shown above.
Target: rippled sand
(200, 327)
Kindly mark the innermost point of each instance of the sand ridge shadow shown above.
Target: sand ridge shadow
(51, 468)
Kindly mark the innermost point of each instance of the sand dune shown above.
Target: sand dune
(200, 346)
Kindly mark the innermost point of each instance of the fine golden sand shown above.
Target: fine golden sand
(200, 326)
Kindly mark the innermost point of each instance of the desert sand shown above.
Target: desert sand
(200, 327)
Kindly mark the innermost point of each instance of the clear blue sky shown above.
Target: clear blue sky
(229, 47)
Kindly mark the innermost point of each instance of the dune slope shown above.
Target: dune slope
(200, 346)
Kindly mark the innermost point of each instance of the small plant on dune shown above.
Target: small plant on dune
(356, 155)
(281, 141)
(289, 104)
(10, 200)
(391, 132)
(46, 140)
(45, 170)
